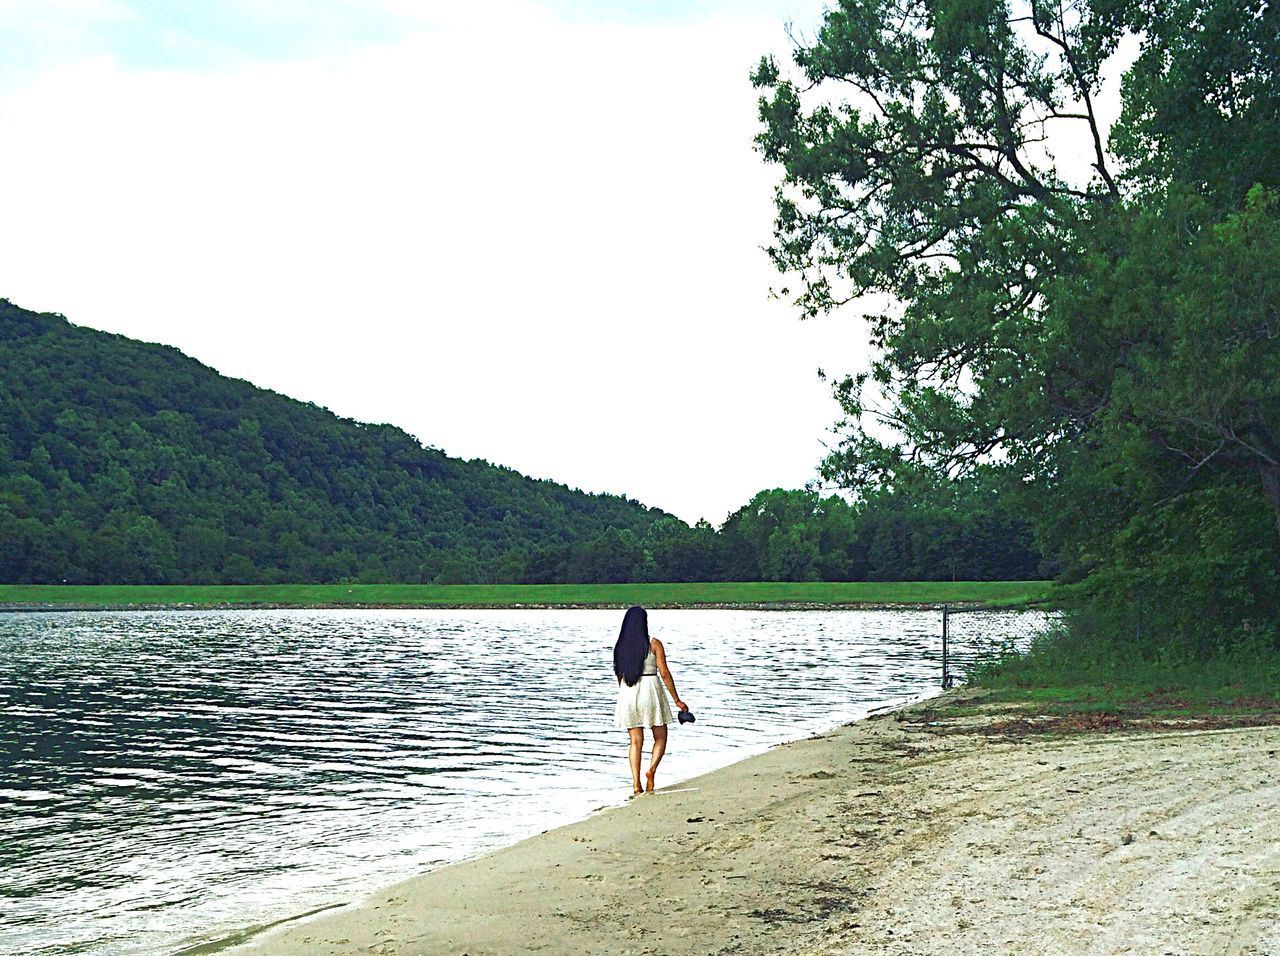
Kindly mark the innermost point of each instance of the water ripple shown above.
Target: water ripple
(168, 776)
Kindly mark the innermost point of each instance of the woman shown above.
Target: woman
(639, 661)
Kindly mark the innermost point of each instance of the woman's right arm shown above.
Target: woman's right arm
(664, 671)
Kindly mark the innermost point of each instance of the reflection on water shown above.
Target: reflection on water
(167, 776)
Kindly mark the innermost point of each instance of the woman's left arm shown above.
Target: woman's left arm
(664, 671)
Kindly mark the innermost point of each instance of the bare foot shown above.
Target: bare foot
(648, 781)
(637, 791)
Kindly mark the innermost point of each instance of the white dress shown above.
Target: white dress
(644, 704)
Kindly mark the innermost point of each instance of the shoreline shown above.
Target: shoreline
(944, 826)
(798, 595)
(51, 608)
(246, 938)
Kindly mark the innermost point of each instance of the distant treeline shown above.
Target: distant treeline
(125, 462)
(799, 536)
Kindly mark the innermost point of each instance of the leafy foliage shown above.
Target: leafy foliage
(1104, 342)
(131, 463)
(122, 462)
(955, 533)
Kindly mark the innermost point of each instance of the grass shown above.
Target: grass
(1065, 686)
(1066, 675)
(716, 594)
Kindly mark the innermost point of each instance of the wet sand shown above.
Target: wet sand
(933, 830)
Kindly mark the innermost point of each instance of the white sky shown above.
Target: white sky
(516, 231)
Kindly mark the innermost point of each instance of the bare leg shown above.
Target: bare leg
(659, 748)
(634, 755)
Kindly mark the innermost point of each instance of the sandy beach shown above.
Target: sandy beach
(939, 829)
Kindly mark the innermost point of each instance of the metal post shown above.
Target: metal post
(946, 675)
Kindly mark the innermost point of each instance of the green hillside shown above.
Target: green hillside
(126, 462)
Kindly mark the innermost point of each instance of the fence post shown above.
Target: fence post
(946, 675)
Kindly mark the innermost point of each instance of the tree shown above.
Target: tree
(780, 527)
(929, 189)
(612, 557)
(149, 552)
(1105, 338)
(681, 553)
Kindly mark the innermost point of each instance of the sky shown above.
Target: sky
(528, 231)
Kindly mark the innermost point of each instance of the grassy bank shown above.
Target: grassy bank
(1066, 673)
(716, 594)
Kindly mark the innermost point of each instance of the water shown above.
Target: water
(168, 777)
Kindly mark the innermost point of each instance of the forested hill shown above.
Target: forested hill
(122, 461)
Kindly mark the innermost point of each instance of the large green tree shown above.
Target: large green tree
(1089, 308)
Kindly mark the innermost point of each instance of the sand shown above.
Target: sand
(918, 832)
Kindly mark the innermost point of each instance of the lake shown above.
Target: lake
(169, 777)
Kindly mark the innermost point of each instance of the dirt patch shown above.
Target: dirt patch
(1109, 723)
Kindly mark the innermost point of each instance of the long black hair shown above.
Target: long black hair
(632, 647)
